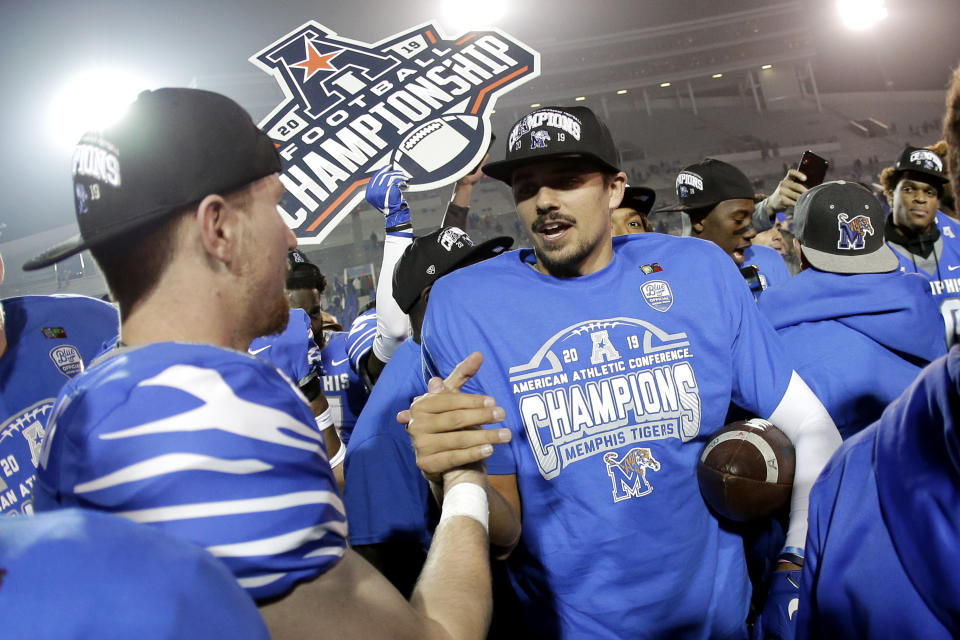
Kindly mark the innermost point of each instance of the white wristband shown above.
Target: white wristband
(467, 499)
(325, 420)
(338, 456)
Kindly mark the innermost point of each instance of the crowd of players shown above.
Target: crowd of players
(506, 443)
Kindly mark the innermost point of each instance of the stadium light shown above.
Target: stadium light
(767, 66)
(535, 105)
(92, 100)
(717, 75)
(621, 92)
(580, 98)
(464, 16)
(664, 84)
(861, 14)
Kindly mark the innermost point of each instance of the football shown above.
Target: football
(746, 470)
(434, 144)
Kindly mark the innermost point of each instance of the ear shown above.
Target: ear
(218, 227)
(616, 190)
(697, 227)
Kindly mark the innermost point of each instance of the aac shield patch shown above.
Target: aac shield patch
(658, 294)
(67, 358)
(417, 100)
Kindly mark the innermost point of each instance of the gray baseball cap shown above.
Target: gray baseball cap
(840, 227)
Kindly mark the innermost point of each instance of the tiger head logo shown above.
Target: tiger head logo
(629, 474)
(853, 233)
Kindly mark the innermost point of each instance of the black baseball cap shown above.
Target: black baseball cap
(303, 274)
(551, 133)
(640, 199)
(436, 254)
(924, 162)
(840, 227)
(707, 183)
(172, 148)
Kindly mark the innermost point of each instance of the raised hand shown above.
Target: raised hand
(385, 192)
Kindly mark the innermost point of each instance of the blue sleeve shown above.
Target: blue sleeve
(227, 456)
(386, 496)
(360, 338)
(761, 366)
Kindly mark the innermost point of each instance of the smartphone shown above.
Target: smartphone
(751, 274)
(814, 167)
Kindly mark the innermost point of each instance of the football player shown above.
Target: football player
(44, 342)
(601, 363)
(182, 429)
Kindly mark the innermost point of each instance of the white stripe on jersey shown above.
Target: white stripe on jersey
(259, 581)
(171, 463)
(222, 410)
(362, 343)
(277, 545)
(234, 507)
(324, 551)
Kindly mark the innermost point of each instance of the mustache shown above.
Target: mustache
(540, 223)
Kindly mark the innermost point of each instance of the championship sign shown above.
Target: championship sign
(417, 100)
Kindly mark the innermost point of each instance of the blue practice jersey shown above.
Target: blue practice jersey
(209, 444)
(293, 351)
(612, 383)
(80, 574)
(341, 385)
(943, 275)
(857, 340)
(387, 498)
(51, 339)
(885, 523)
(773, 270)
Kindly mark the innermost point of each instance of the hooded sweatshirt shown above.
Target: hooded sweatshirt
(857, 340)
(885, 522)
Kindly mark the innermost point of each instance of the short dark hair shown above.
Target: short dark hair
(951, 131)
(133, 263)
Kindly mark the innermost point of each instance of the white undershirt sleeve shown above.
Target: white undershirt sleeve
(804, 419)
(393, 325)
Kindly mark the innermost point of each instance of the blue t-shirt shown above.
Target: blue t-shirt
(341, 385)
(51, 339)
(773, 270)
(209, 444)
(857, 340)
(944, 278)
(612, 383)
(387, 498)
(884, 523)
(293, 351)
(80, 574)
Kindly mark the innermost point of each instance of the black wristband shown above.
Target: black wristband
(400, 227)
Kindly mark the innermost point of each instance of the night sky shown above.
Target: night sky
(44, 44)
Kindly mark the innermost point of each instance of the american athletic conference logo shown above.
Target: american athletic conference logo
(417, 100)
(853, 233)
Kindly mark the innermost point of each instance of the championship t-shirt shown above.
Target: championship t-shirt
(612, 383)
(50, 340)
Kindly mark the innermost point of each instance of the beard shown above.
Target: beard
(564, 262)
(274, 315)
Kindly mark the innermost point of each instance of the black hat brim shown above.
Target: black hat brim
(503, 170)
